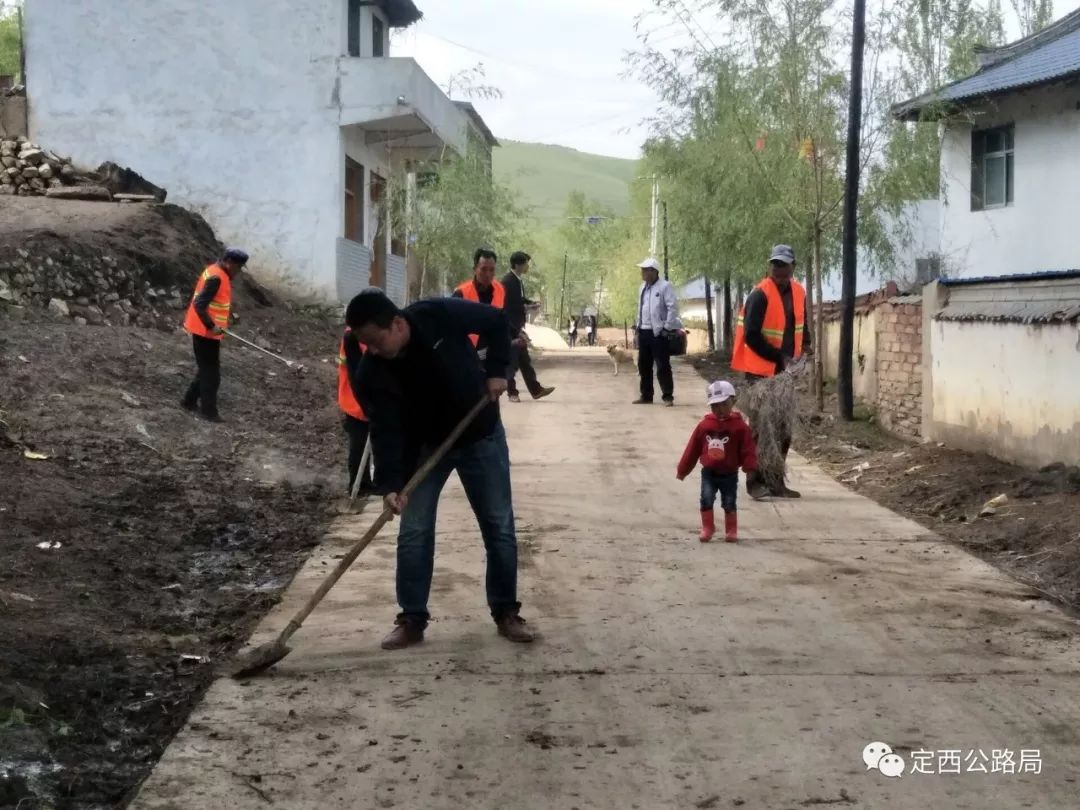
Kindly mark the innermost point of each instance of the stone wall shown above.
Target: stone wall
(12, 116)
(899, 365)
(25, 168)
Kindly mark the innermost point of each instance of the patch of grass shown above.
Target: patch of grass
(545, 175)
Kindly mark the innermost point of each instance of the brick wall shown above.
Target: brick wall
(899, 367)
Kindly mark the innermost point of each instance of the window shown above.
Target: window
(378, 32)
(354, 27)
(991, 168)
(354, 200)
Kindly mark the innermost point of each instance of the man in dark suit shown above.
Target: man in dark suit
(516, 305)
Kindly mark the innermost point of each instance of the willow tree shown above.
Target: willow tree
(456, 206)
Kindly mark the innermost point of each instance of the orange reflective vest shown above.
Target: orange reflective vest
(345, 398)
(743, 358)
(469, 293)
(219, 307)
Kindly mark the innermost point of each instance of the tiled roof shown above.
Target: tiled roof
(1032, 298)
(1049, 55)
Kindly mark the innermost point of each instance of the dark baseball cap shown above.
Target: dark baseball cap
(782, 253)
(235, 255)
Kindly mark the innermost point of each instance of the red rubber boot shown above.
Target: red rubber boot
(731, 527)
(708, 525)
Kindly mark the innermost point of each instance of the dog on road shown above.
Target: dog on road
(619, 356)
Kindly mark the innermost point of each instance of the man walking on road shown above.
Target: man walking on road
(657, 317)
(206, 321)
(419, 378)
(516, 305)
(773, 331)
(482, 288)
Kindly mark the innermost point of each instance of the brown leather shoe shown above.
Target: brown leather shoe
(404, 634)
(543, 392)
(512, 627)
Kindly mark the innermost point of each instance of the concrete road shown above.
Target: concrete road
(670, 674)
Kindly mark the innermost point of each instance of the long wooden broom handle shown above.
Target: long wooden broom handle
(386, 516)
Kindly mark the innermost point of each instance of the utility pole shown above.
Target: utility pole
(709, 315)
(665, 243)
(22, 49)
(653, 211)
(562, 296)
(844, 383)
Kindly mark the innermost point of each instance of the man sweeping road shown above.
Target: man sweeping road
(206, 321)
(773, 331)
(419, 377)
(516, 305)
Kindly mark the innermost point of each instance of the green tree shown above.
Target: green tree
(456, 207)
(10, 39)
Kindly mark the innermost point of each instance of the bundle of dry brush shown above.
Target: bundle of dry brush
(772, 408)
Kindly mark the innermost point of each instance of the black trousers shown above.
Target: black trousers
(203, 390)
(573, 339)
(519, 359)
(357, 431)
(653, 350)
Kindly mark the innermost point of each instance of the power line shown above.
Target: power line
(515, 62)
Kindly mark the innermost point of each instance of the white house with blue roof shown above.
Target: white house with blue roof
(1010, 160)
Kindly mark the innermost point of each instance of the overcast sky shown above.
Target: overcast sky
(558, 63)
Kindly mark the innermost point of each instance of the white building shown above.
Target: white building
(1010, 162)
(916, 241)
(281, 121)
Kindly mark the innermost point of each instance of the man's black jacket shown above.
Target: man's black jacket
(415, 400)
(515, 302)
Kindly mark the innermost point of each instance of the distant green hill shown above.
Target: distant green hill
(545, 175)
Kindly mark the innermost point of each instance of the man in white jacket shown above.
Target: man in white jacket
(657, 316)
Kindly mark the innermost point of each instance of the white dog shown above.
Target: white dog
(619, 355)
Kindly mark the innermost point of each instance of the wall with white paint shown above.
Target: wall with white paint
(220, 103)
(1020, 400)
(1006, 388)
(914, 234)
(864, 365)
(1038, 230)
(241, 110)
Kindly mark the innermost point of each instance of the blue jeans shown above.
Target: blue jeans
(726, 484)
(484, 470)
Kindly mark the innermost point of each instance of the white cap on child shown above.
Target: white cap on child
(720, 391)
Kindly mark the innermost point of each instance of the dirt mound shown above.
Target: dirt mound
(107, 263)
(139, 544)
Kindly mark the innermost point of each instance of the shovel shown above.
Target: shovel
(266, 655)
(290, 363)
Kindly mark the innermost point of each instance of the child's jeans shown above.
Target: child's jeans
(712, 483)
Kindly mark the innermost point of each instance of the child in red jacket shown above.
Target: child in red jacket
(722, 441)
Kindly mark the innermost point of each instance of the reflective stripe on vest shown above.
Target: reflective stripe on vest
(743, 358)
(219, 307)
(470, 293)
(345, 397)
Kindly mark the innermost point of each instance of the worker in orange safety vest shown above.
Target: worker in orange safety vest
(350, 353)
(482, 288)
(773, 330)
(206, 321)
